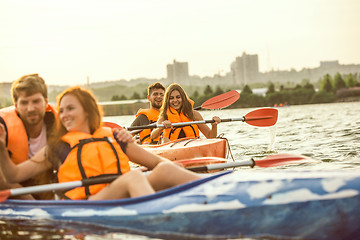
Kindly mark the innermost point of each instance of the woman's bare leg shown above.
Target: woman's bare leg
(131, 184)
(166, 175)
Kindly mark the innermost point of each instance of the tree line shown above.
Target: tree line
(336, 88)
(331, 89)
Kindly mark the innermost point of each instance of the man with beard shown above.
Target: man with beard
(28, 125)
(147, 116)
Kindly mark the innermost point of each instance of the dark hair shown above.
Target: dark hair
(30, 84)
(187, 108)
(154, 86)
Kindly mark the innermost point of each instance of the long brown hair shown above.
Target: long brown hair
(90, 106)
(186, 107)
(88, 103)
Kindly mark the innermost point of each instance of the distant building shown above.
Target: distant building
(5, 89)
(123, 107)
(245, 69)
(260, 91)
(311, 74)
(329, 64)
(178, 72)
(5, 94)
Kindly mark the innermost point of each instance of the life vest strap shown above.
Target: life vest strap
(175, 128)
(80, 145)
(148, 136)
(144, 138)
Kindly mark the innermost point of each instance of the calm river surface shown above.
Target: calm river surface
(328, 133)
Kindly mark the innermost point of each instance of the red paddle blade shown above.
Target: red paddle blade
(5, 194)
(111, 125)
(221, 101)
(282, 159)
(264, 117)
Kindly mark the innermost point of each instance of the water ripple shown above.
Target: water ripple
(329, 133)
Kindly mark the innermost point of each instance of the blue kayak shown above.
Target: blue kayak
(256, 204)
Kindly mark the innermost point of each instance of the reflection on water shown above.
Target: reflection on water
(329, 133)
(45, 229)
(23, 229)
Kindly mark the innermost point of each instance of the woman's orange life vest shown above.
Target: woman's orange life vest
(152, 116)
(91, 155)
(175, 117)
(18, 141)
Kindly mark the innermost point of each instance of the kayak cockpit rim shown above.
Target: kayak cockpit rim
(125, 201)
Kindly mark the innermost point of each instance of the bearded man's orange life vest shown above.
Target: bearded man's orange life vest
(17, 138)
(152, 115)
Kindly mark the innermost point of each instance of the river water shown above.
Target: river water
(328, 133)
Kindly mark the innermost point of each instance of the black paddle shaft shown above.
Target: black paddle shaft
(155, 125)
(99, 180)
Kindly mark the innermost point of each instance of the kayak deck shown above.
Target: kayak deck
(279, 204)
(188, 148)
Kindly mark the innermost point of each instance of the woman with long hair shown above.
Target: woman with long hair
(83, 148)
(178, 107)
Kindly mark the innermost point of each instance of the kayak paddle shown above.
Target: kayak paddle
(221, 101)
(263, 117)
(218, 102)
(269, 161)
(5, 194)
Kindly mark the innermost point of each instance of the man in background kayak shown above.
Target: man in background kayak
(147, 116)
(28, 125)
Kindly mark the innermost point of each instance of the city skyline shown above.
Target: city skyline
(68, 41)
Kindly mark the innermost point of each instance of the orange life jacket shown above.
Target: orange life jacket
(175, 117)
(152, 116)
(91, 155)
(18, 144)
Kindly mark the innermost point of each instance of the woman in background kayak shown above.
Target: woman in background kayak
(82, 148)
(178, 107)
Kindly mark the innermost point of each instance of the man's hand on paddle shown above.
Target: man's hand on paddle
(216, 119)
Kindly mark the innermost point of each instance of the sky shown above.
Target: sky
(68, 41)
